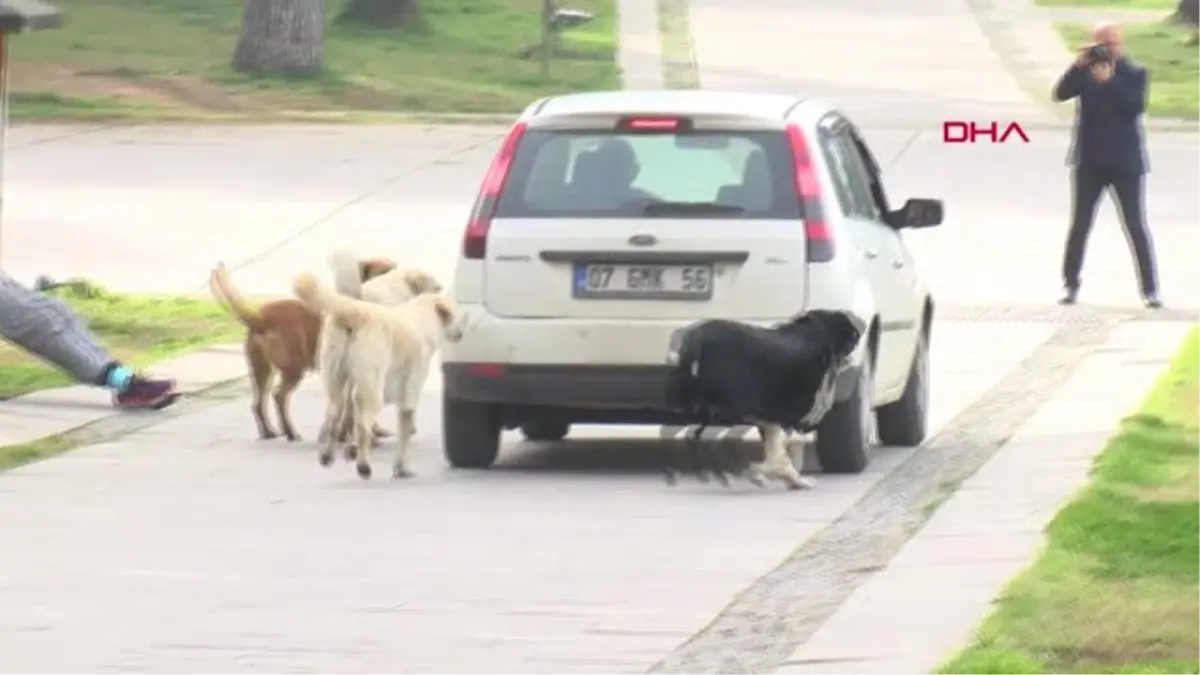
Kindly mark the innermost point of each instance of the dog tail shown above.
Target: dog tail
(347, 313)
(222, 288)
(347, 273)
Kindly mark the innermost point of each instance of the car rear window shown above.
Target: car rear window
(697, 174)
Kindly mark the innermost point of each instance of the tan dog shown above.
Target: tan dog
(390, 290)
(387, 355)
(282, 335)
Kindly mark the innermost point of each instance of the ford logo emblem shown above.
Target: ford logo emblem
(643, 240)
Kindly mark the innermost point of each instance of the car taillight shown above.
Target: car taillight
(820, 246)
(475, 238)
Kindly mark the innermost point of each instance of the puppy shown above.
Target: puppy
(390, 289)
(388, 352)
(281, 335)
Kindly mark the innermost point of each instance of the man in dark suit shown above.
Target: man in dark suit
(1107, 152)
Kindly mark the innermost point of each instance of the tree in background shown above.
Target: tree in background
(1187, 12)
(281, 36)
(381, 13)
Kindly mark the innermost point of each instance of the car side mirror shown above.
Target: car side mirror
(917, 213)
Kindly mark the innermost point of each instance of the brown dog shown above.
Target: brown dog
(281, 335)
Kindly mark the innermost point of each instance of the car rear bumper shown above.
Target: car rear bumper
(583, 393)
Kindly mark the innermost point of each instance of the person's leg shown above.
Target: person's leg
(1129, 189)
(47, 328)
(1086, 185)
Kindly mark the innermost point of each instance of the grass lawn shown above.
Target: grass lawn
(145, 59)
(1115, 590)
(138, 330)
(1167, 5)
(1174, 66)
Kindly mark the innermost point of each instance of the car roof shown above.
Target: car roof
(686, 102)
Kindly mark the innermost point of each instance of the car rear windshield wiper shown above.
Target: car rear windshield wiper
(691, 209)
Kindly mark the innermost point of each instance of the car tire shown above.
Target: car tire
(846, 434)
(470, 433)
(905, 421)
(546, 431)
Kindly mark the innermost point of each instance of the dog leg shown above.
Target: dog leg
(756, 471)
(368, 401)
(333, 415)
(779, 464)
(261, 371)
(405, 432)
(696, 453)
(283, 401)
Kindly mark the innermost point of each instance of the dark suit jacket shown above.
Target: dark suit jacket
(1108, 130)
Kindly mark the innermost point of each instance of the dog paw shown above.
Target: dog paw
(326, 458)
(350, 453)
(801, 483)
(401, 471)
(268, 435)
(292, 438)
(364, 470)
(670, 478)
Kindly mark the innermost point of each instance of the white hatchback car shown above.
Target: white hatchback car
(610, 220)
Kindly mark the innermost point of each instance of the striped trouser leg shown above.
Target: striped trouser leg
(48, 328)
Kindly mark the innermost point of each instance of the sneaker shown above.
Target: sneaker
(1070, 297)
(144, 394)
(1153, 301)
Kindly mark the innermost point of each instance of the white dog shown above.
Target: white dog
(387, 354)
(391, 289)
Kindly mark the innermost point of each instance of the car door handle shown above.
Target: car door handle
(871, 253)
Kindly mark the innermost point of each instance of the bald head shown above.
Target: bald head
(1108, 33)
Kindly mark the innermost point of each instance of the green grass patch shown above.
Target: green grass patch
(1149, 5)
(170, 57)
(1174, 65)
(138, 330)
(1115, 590)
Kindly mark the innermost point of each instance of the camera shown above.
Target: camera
(1099, 53)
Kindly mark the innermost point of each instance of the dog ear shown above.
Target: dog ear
(444, 311)
(421, 282)
(374, 267)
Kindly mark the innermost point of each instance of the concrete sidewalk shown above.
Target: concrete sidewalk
(55, 411)
(928, 600)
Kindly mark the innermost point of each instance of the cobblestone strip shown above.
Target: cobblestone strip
(765, 624)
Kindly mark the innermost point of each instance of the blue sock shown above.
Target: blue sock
(118, 378)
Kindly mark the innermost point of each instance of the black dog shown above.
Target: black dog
(779, 378)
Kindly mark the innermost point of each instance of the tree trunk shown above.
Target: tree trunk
(381, 13)
(1188, 12)
(281, 36)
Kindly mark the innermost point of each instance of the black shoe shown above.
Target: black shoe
(1070, 297)
(1153, 301)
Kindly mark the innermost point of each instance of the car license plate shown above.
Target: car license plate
(642, 282)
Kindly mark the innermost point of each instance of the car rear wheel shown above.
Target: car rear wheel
(846, 435)
(545, 430)
(905, 421)
(470, 433)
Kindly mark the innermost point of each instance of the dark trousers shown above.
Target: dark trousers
(1129, 188)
